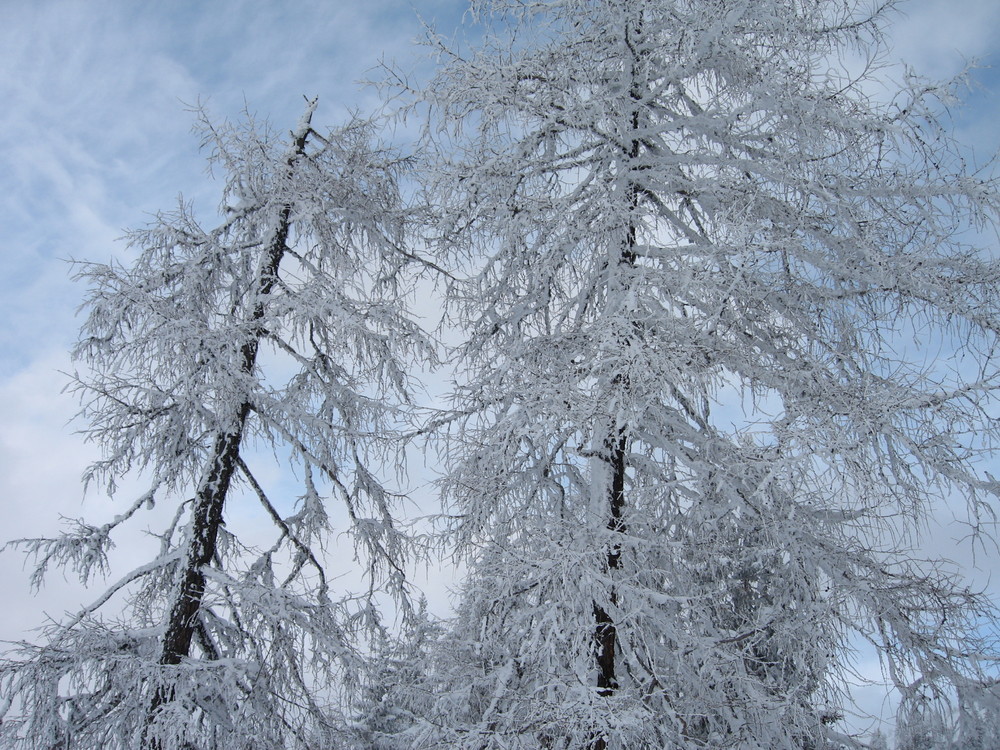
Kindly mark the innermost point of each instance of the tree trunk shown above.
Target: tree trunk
(616, 443)
(206, 516)
(615, 451)
(606, 634)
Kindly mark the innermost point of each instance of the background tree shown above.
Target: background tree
(700, 422)
(282, 330)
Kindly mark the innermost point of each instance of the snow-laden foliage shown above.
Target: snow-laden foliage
(700, 420)
(278, 334)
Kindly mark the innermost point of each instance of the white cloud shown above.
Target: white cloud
(940, 37)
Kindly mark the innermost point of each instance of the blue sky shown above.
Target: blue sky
(95, 136)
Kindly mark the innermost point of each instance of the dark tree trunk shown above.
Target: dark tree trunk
(206, 516)
(606, 633)
(616, 443)
(615, 455)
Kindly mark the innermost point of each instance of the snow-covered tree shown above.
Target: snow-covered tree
(280, 334)
(966, 719)
(730, 343)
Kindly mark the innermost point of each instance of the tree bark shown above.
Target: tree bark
(616, 443)
(206, 516)
(615, 455)
(606, 634)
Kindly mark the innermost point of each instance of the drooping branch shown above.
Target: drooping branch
(301, 546)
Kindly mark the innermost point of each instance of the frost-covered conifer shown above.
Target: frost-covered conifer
(278, 334)
(701, 418)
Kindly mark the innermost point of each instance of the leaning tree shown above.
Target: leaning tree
(278, 334)
(701, 419)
